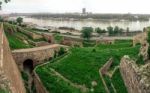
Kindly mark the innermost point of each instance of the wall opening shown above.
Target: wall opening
(28, 65)
(28, 70)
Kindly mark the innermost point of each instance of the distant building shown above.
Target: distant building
(84, 11)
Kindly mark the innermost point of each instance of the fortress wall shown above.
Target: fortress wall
(134, 77)
(37, 56)
(140, 38)
(9, 69)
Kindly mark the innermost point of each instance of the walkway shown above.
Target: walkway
(38, 48)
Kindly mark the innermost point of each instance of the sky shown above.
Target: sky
(65, 6)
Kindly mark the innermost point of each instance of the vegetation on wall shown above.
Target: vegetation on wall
(13, 37)
(148, 40)
(58, 38)
(4, 90)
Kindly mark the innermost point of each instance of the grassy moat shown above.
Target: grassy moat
(75, 72)
(78, 70)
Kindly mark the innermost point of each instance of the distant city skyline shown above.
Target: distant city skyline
(67, 6)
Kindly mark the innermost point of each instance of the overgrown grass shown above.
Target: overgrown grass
(58, 38)
(83, 64)
(53, 83)
(3, 91)
(118, 82)
(16, 43)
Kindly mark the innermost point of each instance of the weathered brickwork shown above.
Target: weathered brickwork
(136, 78)
(140, 38)
(37, 55)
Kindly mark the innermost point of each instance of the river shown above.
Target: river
(133, 25)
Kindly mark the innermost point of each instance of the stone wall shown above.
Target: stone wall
(140, 38)
(136, 78)
(38, 44)
(48, 37)
(37, 55)
(105, 41)
(33, 35)
(39, 85)
(10, 75)
(106, 66)
(144, 50)
(72, 41)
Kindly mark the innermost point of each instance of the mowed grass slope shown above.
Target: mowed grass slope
(82, 65)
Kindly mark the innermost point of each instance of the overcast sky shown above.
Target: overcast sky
(95, 6)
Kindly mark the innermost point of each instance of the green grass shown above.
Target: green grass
(24, 76)
(16, 43)
(58, 38)
(53, 83)
(82, 65)
(3, 91)
(122, 41)
(118, 82)
(108, 83)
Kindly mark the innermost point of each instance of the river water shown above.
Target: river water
(133, 25)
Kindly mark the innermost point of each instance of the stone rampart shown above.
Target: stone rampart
(136, 78)
(10, 75)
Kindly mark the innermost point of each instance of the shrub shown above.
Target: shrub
(61, 51)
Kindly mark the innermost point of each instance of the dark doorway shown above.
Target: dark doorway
(28, 65)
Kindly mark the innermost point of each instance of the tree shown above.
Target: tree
(99, 30)
(1, 19)
(61, 51)
(19, 20)
(6, 1)
(110, 30)
(87, 32)
(116, 30)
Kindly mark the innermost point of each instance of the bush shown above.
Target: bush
(61, 51)
(140, 60)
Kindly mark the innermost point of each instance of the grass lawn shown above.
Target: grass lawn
(118, 82)
(83, 64)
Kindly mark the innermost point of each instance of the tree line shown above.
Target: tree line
(112, 31)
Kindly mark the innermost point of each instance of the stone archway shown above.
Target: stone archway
(28, 65)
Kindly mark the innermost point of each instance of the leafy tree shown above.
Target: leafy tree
(1, 19)
(110, 30)
(128, 30)
(19, 20)
(99, 30)
(6, 1)
(61, 51)
(116, 30)
(87, 32)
